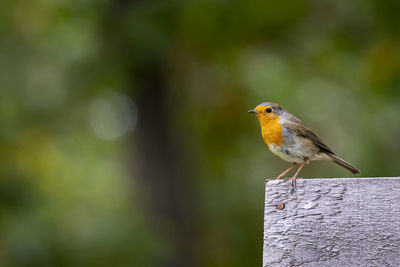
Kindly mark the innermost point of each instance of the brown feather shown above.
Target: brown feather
(303, 131)
(344, 164)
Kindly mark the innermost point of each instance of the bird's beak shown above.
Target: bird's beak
(253, 111)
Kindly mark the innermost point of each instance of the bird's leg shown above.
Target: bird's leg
(295, 175)
(287, 170)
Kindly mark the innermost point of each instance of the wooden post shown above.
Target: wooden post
(332, 222)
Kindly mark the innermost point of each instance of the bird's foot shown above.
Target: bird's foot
(290, 178)
(293, 182)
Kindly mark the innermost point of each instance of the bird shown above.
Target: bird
(288, 138)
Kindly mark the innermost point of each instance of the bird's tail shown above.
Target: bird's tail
(344, 164)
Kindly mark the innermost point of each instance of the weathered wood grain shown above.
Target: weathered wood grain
(332, 222)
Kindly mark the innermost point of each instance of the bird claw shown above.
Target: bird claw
(293, 181)
(290, 178)
(294, 184)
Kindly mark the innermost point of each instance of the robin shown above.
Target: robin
(288, 138)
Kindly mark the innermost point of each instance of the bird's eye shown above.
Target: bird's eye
(268, 110)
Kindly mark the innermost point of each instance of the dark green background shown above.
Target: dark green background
(124, 133)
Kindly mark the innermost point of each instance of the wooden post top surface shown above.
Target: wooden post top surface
(332, 222)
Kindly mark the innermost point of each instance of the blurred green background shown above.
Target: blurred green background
(125, 138)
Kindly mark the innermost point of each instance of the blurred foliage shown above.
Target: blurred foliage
(70, 72)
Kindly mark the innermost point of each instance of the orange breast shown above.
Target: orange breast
(271, 130)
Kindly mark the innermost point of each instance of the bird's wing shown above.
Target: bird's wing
(303, 131)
